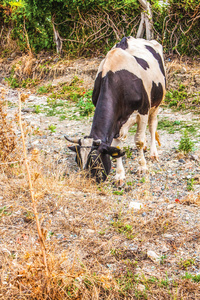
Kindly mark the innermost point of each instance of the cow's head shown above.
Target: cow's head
(94, 156)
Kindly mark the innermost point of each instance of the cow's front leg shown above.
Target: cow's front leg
(120, 172)
(152, 128)
(140, 140)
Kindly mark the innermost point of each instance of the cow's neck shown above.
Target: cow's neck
(105, 125)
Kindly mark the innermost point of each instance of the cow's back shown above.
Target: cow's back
(142, 58)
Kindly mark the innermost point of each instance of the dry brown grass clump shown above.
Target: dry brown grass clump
(7, 135)
(191, 199)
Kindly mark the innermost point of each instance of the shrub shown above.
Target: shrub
(186, 145)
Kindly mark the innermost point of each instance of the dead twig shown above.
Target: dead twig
(31, 191)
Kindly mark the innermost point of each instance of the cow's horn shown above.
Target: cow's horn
(72, 140)
(97, 142)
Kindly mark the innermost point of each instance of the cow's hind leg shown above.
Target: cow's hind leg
(140, 140)
(120, 172)
(153, 122)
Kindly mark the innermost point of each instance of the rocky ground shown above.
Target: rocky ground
(149, 226)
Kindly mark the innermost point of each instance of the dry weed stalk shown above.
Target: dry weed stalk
(32, 193)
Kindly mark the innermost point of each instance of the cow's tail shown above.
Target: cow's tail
(157, 138)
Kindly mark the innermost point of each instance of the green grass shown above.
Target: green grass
(180, 99)
(173, 126)
(195, 278)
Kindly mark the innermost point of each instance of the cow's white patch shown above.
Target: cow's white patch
(118, 59)
(120, 173)
(85, 149)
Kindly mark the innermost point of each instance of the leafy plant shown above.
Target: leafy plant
(85, 105)
(185, 145)
(186, 263)
(52, 128)
(37, 109)
(128, 151)
(190, 184)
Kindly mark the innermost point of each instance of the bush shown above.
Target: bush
(92, 27)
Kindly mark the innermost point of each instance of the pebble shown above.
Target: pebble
(141, 287)
(135, 205)
(168, 236)
(90, 231)
(170, 206)
(182, 161)
(153, 256)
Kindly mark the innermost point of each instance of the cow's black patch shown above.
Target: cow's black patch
(123, 44)
(157, 56)
(143, 63)
(156, 94)
(121, 94)
(97, 87)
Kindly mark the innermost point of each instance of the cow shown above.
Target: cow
(128, 89)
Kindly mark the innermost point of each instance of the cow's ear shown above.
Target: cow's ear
(74, 148)
(115, 152)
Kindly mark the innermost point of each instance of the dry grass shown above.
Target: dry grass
(72, 215)
(7, 135)
(96, 248)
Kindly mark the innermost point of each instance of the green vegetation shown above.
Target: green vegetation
(163, 259)
(85, 105)
(118, 192)
(172, 126)
(195, 278)
(52, 128)
(185, 145)
(184, 264)
(61, 98)
(44, 89)
(128, 151)
(85, 25)
(175, 97)
(123, 228)
(190, 184)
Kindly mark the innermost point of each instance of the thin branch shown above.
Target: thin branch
(27, 39)
(31, 191)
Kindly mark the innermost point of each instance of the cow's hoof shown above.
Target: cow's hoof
(142, 171)
(119, 183)
(154, 158)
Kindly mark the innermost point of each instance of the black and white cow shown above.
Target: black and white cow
(128, 89)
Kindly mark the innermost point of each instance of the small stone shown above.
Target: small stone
(168, 236)
(29, 110)
(135, 205)
(144, 214)
(195, 157)
(181, 161)
(165, 249)
(141, 287)
(153, 256)
(90, 231)
(170, 206)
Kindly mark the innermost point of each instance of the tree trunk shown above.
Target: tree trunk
(146, 21)
(57, 39)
